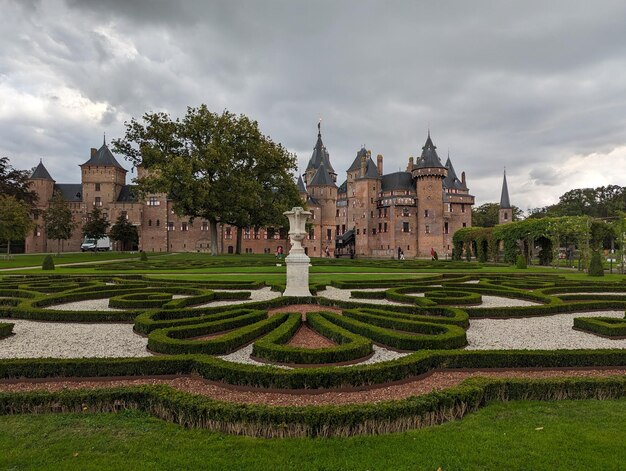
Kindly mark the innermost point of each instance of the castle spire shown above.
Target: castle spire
(104, 139)
(505, 202)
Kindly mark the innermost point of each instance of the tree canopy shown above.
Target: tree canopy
(58, 220)
(96, 226)
(124, 232)
(486, 215)
(15, 183)
(15, 219)
(600, 202)
(219, 167)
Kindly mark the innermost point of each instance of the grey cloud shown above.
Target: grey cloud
(515, 84)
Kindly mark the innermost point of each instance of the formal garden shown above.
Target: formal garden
(382, 354)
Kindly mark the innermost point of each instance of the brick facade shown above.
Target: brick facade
(417, 210)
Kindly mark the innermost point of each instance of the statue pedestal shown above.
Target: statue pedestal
(297, 275)
(297, 261)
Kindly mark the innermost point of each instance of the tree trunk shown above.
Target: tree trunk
(239, 237)
(213, 231)
(8, 248)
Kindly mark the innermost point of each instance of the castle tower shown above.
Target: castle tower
(102, 178)
(429, 174)
(41, 183)
(322, 192)
(320, 156)
(505, 214)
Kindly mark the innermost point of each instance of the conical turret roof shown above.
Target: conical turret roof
(320, 154)
(429, 158)
(505, 203)
(301, 187)
(451, 180)
(322, 177)
(41, 173)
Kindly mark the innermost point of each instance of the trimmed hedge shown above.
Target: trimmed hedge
(273, 346)
(6, 329)
(197, 411)
(415, 335)
(248, 326)
(606, 326)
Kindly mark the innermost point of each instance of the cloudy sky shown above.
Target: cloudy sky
(536, 87)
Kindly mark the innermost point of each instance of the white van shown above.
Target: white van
(93, 245)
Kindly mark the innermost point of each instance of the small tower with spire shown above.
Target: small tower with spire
(429, 175)
(505, 214)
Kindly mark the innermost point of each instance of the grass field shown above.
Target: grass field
(566, 435)
(35, 260)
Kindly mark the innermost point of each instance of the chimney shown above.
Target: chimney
(379, 164)
(363, 164)
(409, 167)
(463, 177)
(93, 152)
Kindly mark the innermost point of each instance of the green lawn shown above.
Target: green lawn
(35, 260)
(566, 435)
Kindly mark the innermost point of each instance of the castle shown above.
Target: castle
(415, 211)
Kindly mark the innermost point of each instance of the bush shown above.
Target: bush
(520, 263)
(435, 256)
(595, 265)
(6, 329)
(48, 263)
(143, 257)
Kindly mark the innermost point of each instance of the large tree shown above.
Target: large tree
(212, 166)
(124, 232)
(15, 220)
(96, 226)
(15, 183)
(58, 220)
(486, 215)
(600, 202)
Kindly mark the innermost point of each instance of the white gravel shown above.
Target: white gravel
(243, 356)
(499, 301)
(538, 333)
(86, 305)
(381, 354)
(71, 340)
(263, 294)
(337, 294)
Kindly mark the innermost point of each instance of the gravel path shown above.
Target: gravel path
(243, 356)
(72, 340)
(344, 295)
(440, 379)
(538, 333)
(500, 301)
(263, 294)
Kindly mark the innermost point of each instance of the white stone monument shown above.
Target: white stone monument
(297, 261)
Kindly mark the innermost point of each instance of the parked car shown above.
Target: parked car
(93, 245)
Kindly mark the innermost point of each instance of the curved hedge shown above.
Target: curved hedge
(273, 346)
(247, 325)
(605, 326)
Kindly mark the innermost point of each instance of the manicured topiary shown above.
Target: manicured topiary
(595, 265)
(48, 263)
(143, 257)
(521, 262)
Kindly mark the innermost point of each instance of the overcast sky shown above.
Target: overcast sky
(536, 87)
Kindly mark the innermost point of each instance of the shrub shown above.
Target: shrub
(143, 257)
(595, 265)
(48, 263)
(435, 256)
(6, 329)
(520, 263)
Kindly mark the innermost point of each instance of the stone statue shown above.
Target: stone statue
(297, 261)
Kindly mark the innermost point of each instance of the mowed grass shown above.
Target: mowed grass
(35, 260)
(568, 435)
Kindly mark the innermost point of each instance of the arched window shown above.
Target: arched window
(158, 222)
(149, 222)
